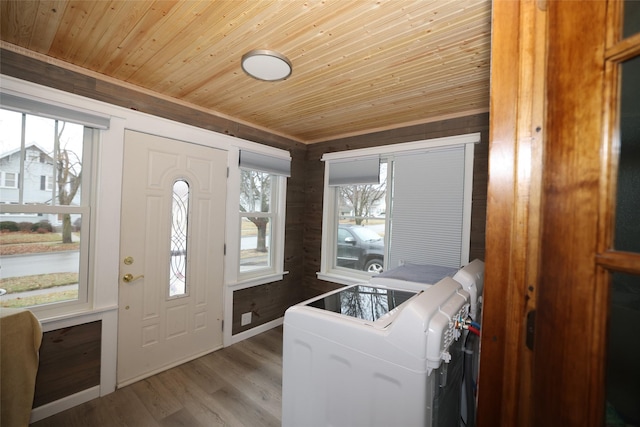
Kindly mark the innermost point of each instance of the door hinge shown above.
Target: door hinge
(224, 249)
(227, 172)
(531, 329)
(222, 327)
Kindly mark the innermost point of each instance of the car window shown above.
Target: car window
(366, 234)
(343, 235)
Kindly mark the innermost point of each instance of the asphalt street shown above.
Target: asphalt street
(27, 265)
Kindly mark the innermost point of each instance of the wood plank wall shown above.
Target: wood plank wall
(69, 362)
(315, 182)
(304, 188)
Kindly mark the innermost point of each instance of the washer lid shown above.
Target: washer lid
(363, 302)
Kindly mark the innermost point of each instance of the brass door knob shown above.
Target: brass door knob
(130, 277)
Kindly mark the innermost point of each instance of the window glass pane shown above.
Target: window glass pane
(631, 18)
(40, 261)
(10, 154)
(41, 164)
(255, 191)
(10, 131)
(179, 232)
(361, 225)
(34, 170)
(627, 227)
(256, 197)
(420, 211)
(68, 173)
(255, 243)
(623, 369)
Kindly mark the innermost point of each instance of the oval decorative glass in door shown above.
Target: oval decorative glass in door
(179, 233)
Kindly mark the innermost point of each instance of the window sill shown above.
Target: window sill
(257, 281)
(53, 322)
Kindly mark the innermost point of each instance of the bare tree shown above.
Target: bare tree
(68, 179)
(255, 196)
(362, 198)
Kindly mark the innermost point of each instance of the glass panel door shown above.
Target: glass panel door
(623, 347)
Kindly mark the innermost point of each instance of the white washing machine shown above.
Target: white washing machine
(375, 355)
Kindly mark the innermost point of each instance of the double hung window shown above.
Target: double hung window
(45, 210)
(8, 179)
(261, 214)
(391, 205)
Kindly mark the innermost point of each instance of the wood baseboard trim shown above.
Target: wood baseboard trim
(257, 330)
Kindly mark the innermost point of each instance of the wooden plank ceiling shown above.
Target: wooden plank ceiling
(358, 65)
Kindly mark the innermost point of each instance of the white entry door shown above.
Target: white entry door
(171, 254)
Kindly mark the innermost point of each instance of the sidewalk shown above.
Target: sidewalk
(6, 297)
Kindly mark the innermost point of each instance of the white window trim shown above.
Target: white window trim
(276, 252)
(346, 276)
(233, 279)
(417, 146)
(85, 270)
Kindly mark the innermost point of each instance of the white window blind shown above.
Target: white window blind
(265, 163)
(427, 212)
(30, 106)
(354, 171)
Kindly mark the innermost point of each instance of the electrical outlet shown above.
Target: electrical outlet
(245, 319)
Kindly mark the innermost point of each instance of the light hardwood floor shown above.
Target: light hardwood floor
(240, 385)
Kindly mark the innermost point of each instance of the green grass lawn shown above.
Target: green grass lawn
(23, 237)
(19, 243)
(39, 281)
(16, 285)
(40, 299)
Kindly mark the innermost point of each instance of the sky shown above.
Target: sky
(40, 130)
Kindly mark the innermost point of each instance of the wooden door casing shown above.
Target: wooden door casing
(568, 387)
(513, 203)
(543, 236)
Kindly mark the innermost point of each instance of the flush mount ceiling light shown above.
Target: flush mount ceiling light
(266, 65)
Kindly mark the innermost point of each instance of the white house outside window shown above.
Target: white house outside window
(46, 183)
(8, 179)
(390, 205)
(45, 212)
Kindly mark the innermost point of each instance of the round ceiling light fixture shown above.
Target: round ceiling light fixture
(266, 65)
